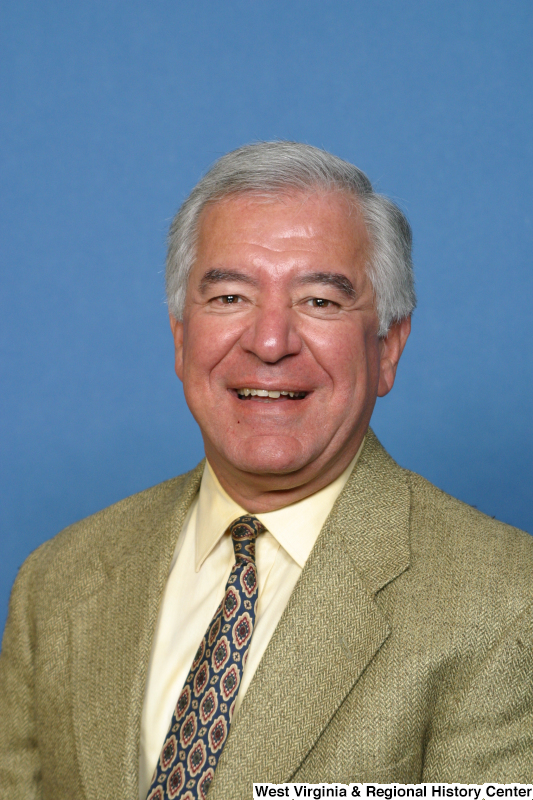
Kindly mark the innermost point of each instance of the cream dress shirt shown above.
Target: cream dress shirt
(199, 570)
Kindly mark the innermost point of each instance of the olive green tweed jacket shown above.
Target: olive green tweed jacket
(405, 653)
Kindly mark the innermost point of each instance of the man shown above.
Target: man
(392, 626)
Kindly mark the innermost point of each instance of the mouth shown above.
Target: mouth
(246, 393)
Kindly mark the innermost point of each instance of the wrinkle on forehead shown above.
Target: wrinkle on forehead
(297, 227)
(297, 202)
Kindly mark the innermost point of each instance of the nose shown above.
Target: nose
(272, 334)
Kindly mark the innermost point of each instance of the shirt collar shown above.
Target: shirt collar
(295, 527)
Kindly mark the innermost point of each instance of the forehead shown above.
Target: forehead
(326, 225)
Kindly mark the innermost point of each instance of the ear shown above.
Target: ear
(177, 332)
(391, 348)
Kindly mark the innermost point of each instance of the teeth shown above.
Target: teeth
(274, 393)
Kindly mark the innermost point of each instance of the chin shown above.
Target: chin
(263, 456)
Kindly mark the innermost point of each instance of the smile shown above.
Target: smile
(270, 393)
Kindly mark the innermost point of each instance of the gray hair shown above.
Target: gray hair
(275, 168)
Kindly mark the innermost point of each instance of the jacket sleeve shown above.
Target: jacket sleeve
(20, 773)
(485, 734)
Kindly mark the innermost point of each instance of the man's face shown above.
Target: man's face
(279, 302)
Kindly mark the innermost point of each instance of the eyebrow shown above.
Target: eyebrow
(335, 279)
(213, 276)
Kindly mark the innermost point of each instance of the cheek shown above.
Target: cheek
(349, 356)
(207, 342)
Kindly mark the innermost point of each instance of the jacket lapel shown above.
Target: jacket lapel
(329, 632)
(111, 635)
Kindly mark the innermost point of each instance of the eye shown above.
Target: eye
(227, 302)
(320, 302)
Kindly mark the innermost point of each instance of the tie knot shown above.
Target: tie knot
(244, 531)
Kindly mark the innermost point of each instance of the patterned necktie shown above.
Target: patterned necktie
(202, 717)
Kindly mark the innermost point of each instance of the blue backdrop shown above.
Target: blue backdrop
(111, 112)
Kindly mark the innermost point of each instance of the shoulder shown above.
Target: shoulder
(77, 556)
(447, 525)
(460, 564)
(442, 527)
(466, 565)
